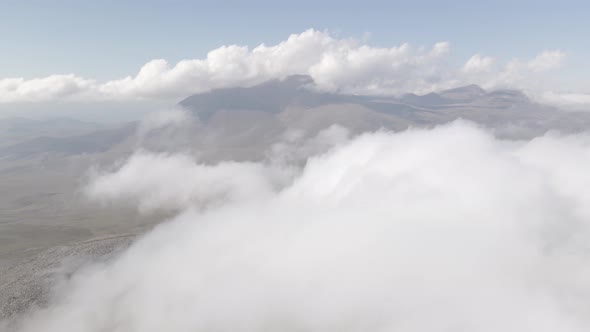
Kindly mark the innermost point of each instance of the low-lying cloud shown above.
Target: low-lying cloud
(448, 229)
(336, 64)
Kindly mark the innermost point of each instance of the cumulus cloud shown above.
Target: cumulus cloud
(443, 229)
(44, 89)
(160, 119)
(478, 63)
(336, 64)
(547, 60)
(576, 101)
(164, 175)
(159, 181)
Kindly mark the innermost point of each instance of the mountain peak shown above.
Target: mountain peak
(509, 96)
(463, 92)
(299, 79)
(270, 96)
(292, 82)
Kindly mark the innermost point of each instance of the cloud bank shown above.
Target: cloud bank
(448, 229)
(336, 64)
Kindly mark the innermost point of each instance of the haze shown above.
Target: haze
(181, 166)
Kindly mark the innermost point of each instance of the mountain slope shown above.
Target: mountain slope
(249, 119)
(496, 109)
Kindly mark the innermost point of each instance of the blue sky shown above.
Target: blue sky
(110, 39)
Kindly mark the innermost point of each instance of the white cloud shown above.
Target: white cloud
(478, 63)
(343, 65)
(421, 230)
(44, 89)
(547, 60)
(576, 101)
(160, 119)
(159, 181)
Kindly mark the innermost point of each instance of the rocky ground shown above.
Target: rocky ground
(27, 284)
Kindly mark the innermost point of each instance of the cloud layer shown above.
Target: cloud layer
(445, 229)
(341, 65)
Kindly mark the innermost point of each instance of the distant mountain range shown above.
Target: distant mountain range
(93, 142)
(294, 103)
(240, 120)
(18, 129)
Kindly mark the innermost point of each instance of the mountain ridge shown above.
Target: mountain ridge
(271, 107)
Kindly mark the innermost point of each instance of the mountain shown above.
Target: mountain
(272, 97)
(242, 122)
(295, 98)
(431, 99)
(465, 93)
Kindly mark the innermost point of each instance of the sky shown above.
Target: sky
(104, 41)
(394, 221)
